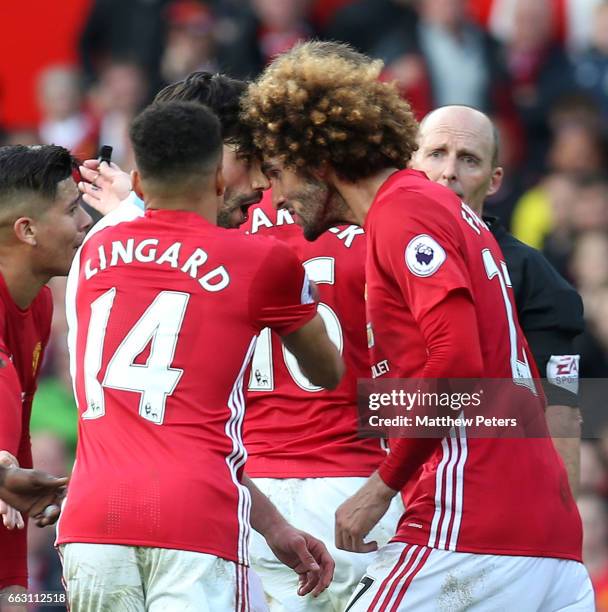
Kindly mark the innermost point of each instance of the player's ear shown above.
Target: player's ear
(220, 183)
(496, 181)
(25, 230)
(136, 182)
(323, 172)
(413, 163)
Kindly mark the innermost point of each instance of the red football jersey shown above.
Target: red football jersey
(292, 428)
(23, 337)
(492, 496)
(168, 310)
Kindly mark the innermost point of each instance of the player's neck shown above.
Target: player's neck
(203, 205)
(360, 195)
(22, 282)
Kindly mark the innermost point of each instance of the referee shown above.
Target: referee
(458, 147)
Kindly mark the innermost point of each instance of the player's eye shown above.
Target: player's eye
(435, 154)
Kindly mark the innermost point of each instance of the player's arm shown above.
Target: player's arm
(10, 407)
(317, 355)
(566, 421)
(10, 433)
(304, 554)
(556, 358)
(283, 298)
(449, 330)
(551, 316)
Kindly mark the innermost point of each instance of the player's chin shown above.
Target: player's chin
(311, 232)
(236, 219)
(62, 268)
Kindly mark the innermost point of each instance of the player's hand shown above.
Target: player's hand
(11, 517)
(358, 515)
(33, 492)
(104, 186)
(305, 555)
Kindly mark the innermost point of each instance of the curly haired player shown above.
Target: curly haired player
(477, 509)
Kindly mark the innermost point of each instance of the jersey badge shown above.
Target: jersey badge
(370, 336)
(36, 357)
(307, 295)
(424, 255)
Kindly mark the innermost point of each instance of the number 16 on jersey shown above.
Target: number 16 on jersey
(320, 270)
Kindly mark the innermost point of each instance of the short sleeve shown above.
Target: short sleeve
(10, 392)
(10, 407)
(281, 296)
(558, 361)
(46, 316)
(419, 244)
(3, 344)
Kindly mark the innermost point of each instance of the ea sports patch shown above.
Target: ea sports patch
(562, 371)
(424, 255)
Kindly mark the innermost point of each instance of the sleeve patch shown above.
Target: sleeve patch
(424, 255)
(562, 371)
(306, 297)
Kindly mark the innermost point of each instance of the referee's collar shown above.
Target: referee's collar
(496, 227)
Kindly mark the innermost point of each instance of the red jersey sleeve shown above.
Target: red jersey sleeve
(281, 296)
(421, 246)
(10, 408)
(46, 318)
(454, 352)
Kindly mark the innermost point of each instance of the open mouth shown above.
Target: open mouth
(255, 199)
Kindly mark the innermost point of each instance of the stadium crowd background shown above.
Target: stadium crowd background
(539, 68)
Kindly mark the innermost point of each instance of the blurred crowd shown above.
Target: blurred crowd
(539, 68)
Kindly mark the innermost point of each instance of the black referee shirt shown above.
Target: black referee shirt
(550, 313)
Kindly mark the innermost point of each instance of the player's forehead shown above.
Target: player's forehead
(272, 163)
(276, 167)
(67, 191)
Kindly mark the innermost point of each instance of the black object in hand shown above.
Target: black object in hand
(105, 154)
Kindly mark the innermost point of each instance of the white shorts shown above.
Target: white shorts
(112, 578)
(413, 577)
(309, 504)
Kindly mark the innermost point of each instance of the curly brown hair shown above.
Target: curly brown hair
(321, 103)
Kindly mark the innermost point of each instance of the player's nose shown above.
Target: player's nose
(85, 221)
(259, 181)
(278, 199)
